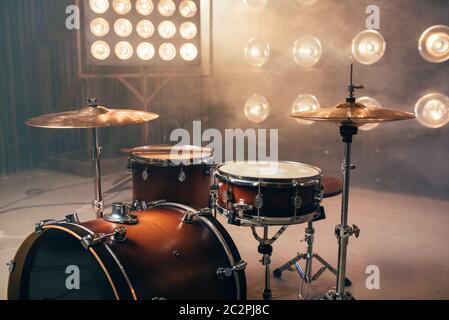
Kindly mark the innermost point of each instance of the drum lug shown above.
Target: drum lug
(11, 266)
(227, 272)
(182, 176)
(72, 218)
(41, 224)
(119, 235)
(120, 215)
(188, 217)
(297, 202)
(205, 212)
(258, 202)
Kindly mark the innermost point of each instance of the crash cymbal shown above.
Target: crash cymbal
(354, 114)
(91, 117)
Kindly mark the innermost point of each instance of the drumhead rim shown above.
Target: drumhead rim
(268, 182)
(206, 157)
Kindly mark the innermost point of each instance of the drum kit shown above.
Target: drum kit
(167, 243)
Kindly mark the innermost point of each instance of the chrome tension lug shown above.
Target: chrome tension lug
(11, 266)
(120, 234)
(224, 273)
(188, 217)
(72, 218)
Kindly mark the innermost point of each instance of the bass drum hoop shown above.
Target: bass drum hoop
(99, 250)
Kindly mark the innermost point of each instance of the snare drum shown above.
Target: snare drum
(180, 174)
(260, 193)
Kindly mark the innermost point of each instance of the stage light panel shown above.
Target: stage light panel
(432, 110)
(372, 103)
(307, 51)
(257, 108)
(368, 47)
(129, 28)
(257, 52)
(303, 103)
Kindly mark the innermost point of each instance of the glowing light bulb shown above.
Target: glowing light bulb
(368, 47)
(145, 29)
(257, 52)
(122, 6)
(99, 27)
(307, 51)
(100, 50)
(188, 52)
(124, 50)
(303, 103)
(187, 8)
(257, 108)
(123, 28)
(99, 6)
(371, 103)
(144, 7)
(167, 51)
(145, 51)
(167, 29)
(432, 110)
(188, 30)
(166, 8)
(433, 44)
(255, 4)
(307, 2)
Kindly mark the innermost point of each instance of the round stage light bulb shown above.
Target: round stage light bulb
(187, 8)
(432, 110)
(188, 30)
(257, 108)
(255, 4)
(122, 6)
(307, 51)
(188, 52)
(166, 8)
(433, 44)
(99, 6)
(167, 29)
(167, 51)
(100, 50)
(257, 52)
(123, 28)
(368, 47)
(99, 27)
(371, 103)
(307, 2)
(124, 50)
(145, 29)
(144, 7)
(145, 51)
(303, 103)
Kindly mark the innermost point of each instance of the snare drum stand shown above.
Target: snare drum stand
(266, 249)
(306, 275)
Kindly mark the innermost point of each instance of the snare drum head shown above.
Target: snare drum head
(269, 170)
(172, 154)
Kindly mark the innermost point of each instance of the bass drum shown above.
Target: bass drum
(173, 252)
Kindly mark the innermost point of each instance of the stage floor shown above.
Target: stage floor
(405, 236)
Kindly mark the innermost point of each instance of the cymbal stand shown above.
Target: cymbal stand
(266, 249)
(306, 274)
(343, 231)
(98, 203)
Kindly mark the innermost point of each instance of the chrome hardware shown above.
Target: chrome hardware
(41, 224)
(72, 218)
(182, 175)
(120, 214)
(205, 212)
(297, 202)
(347, 231)
(258, 202)
(159, 299)
(176, 253)
(11, 266)
(146, 174)
(227, 272)
(119, 234)
(241, 207)
(309, 183)
(98, 206)
(92, 240)
(188, 217)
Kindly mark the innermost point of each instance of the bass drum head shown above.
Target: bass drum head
(171, 155)
(58, 268)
